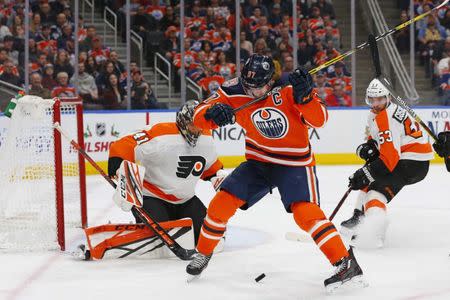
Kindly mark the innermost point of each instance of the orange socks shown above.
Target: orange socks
(220, 210)
(310, 218)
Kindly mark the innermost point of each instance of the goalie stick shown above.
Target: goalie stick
(395, 97)
(352, 51)
(180, 252)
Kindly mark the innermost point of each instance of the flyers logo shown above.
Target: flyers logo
(190, 164)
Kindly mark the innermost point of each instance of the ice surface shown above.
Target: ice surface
(415, 263)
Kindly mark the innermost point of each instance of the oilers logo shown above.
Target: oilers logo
(270, 122)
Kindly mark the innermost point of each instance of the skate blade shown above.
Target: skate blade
(355, 282)
(191, 278)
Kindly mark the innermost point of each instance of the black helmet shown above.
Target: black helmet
(185, 117)
(257, 71)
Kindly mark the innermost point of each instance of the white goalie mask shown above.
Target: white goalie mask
(376, 90)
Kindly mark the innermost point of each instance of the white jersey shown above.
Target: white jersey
(172, 167)
(398, 136)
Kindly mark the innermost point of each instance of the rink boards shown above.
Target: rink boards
(333, 144)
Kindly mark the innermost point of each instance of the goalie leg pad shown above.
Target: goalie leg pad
(310, 217)
(129, 188)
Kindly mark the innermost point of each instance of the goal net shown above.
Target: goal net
(42, 179)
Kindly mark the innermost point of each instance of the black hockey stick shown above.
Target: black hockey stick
(350, 52)
(180, 252)
(396, 98)
(338, 206)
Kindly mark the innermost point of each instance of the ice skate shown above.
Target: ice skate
(197, 265)
(347, 272)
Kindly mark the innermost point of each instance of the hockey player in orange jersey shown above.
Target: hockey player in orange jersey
(397, 153)
(278, 154)
(175, 156)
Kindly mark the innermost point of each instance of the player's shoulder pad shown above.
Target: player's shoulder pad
(233, 87)
(399, 113)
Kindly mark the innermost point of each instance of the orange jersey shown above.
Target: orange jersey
(276, 127)
(398, 136)
(172, 167)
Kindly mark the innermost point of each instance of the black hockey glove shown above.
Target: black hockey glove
(222, 114)
(113, 165)
(302, 85)
(442, 145)
(360, 179)
(368, 151)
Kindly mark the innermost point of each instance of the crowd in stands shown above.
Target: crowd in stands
(101, 81)
(210, 44)
(266, 28)
(432, 40)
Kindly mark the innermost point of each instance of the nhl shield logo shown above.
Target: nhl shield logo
(100, 129)
(270, 122)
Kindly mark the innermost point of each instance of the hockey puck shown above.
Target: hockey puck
(258, 279)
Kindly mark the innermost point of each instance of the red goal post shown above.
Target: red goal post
(43, 180)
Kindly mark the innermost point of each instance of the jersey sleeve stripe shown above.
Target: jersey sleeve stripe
(306, 155)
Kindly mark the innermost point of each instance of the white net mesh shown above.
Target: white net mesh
(27, 176)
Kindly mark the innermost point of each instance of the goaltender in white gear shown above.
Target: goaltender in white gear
(175, 156)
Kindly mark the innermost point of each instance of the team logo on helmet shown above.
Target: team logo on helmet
(265, 65)
(270, 122)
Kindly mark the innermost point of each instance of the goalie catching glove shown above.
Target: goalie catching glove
(128, 192)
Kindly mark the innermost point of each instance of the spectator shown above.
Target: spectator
(338, 97)
(113, 95)
(246, 44)
(65, 37)
(275, 15)
(143, 23)
(260, 46)
(3, 55)
(325, 8)
(402, 36)
(169, 19)
(35, 26)
(62, 63)
(223, 68)
(8, 74)
(4, 29)
(63, 89)
(92, 67)
(88, 41)
(103, 78)
(321, 86)
(13, 54)
(288, 67)
(142, 96)
(305, 53)
(48, 80)
(250, 7)
(428, 37)
(46, 13)
(87, 89)
(171, 44)
(444, 86)
(98, 51)
(37, 88)
(118, 66)
(263, 33)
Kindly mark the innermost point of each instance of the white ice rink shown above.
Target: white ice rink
(415, 263)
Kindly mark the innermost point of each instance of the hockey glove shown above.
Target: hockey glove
(129, 186)
(361, 178)
(442, 145)
(368, 151)
(217, 180)
(222, 114)
(302, 85)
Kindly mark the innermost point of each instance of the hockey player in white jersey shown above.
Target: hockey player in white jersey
(396, 153)
(175, 156)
